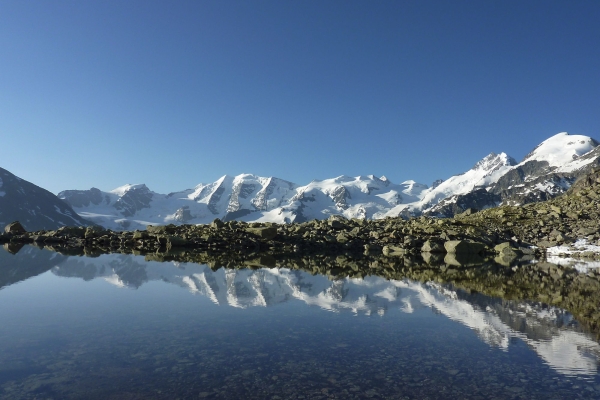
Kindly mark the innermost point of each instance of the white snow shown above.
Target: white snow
(561, 149)
(121, 190)
(560, 255)
(484, 173)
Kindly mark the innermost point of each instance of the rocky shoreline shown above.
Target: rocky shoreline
(510, 232)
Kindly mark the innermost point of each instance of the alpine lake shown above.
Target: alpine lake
(125, 326)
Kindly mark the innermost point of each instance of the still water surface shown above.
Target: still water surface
(118, 327)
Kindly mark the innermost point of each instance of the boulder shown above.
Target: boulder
(336, 224)
(546, 243)
(140, 235)
(13, 248)
(341, 238)
(265, 232)
(171, 241)
(468, 211)
(94, 231)
(15, 228)
(217, 223)
(264, 261)
(71, 231)
(432, 247)
(463, 247)
(463, 259)
(393, 251)
(501, 246)
(161, 229)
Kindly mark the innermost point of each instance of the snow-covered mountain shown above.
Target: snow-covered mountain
(549, 170)
(549, 331)
(34, 207)
(244, 197)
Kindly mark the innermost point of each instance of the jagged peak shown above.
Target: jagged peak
(121, 190)
(493, 161)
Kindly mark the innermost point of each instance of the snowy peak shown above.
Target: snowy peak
(493, 162)
(561, 149)
(546, 172)
(485, 172)
(412, 188)
(132, 198)
(123, 190)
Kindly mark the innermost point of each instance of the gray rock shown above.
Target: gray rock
(71, 231)
(463, 247)
(140, 235)
(15, 228)
(393, 251)
(94, 231)
(335, 224)
(433, 247)
(217, 223)
(342, 238)
(265, 232)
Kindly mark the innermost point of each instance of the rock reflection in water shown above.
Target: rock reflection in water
(551, 332)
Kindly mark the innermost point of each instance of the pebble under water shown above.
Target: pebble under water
(118, 327)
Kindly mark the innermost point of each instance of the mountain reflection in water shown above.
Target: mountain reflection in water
(551, 332)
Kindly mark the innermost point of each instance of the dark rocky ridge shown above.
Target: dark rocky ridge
(34, 207)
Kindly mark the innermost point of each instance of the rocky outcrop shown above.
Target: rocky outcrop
(84, 198)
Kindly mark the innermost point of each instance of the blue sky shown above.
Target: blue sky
(171, 94)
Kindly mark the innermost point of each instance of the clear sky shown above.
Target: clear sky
(175, 93)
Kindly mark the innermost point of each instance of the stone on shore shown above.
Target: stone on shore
(265, 232)
(15, 228)
(393, 251)
(432, 247)
(463, 247)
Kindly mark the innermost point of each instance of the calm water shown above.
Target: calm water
(117, 327)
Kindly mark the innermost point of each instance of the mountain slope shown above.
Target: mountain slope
(135, 206)
(547, 171)
(34, 207)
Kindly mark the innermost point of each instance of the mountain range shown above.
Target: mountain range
(547, 171)
(497, 179)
